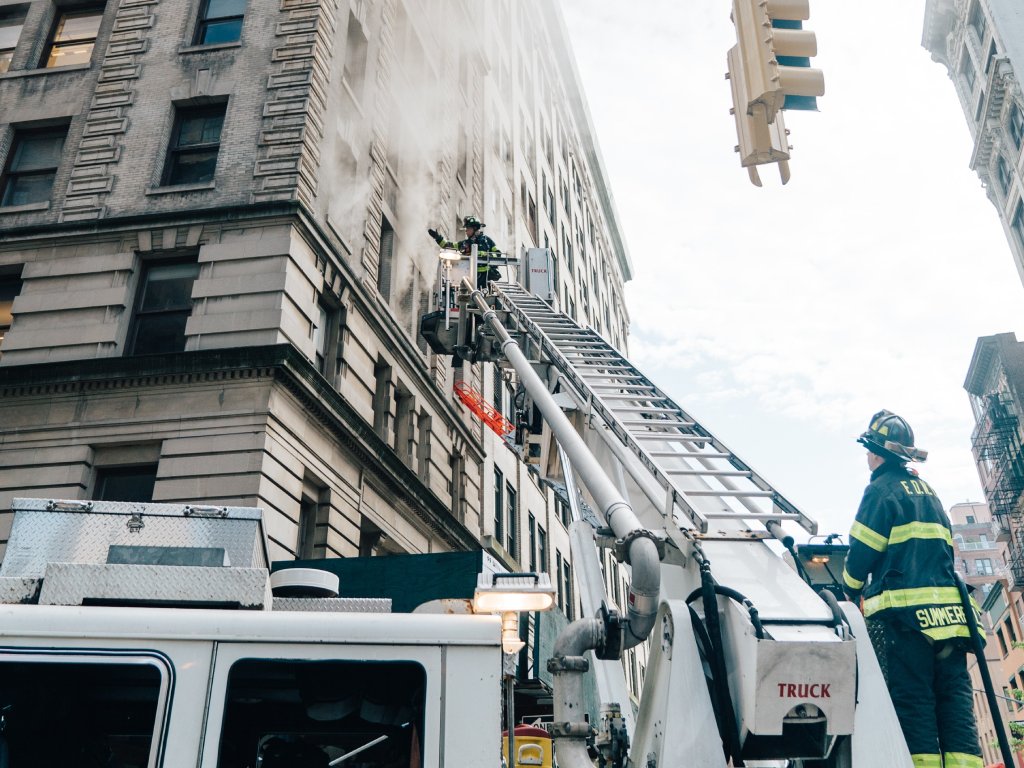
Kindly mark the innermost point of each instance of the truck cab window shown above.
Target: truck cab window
(304, 714)
(64, 709)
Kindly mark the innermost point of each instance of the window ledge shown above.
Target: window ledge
(181, 188)
(45, 71)
(213, 47)
(43, 206)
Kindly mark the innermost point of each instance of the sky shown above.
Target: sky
(782, 318)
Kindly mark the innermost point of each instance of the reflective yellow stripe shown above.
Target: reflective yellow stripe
(869, 538)
(927, 761)
(902, 533)
(851, 582)
(911, 598)
(947, 633)
(961, 760)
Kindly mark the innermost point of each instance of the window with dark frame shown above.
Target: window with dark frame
(163, 308)
(1016, 125)
(220, 21)
(195, 144)
(285, 711)
(542, 550)
(125, 483)
(513, 521)
(976, 21)
(73, 38)
(499, 507)
(32, 166)
(104, 707)
(1017, 223)
(11, 23)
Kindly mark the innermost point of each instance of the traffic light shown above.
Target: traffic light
(769, 69)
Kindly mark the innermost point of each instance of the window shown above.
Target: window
(10, 287)
(125, 483)
(1016, 125)
(458, 486)
(558, 580)
(967, 70)
(531, 527)
(404, 415)
(1017, 223)
(288, 712)
(567, 582)
(513, 521)
(542, 550)
(970, 519)
(163, 308)
(499, 507)
(983, 566)
(319, 333)
(74, 37)
(382, 388)
(10, 31)
(314, 511)
(355, 56)
(976, 20)
(423, 434)
(195, 143)
(385, 258)
(306, 547)
(103, 709)
(992, 51)
(32, 166)
(220, 21)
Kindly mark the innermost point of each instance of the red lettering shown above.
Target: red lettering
(805, 690)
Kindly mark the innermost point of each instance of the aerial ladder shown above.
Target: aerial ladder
(748, 664)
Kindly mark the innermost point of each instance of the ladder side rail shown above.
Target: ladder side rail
(595, 404)
(591, 403)
(645, 584)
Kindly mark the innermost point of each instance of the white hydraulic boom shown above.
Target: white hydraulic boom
(748, 664)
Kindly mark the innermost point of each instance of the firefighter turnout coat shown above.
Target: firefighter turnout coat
(901, 538)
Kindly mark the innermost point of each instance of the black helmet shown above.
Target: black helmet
(890, 437)
(473, 221)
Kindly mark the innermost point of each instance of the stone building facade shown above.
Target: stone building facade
(213, 260)
(981, 44)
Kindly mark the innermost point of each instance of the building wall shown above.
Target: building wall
(981, 43)
(979, 546)
(349, 127)
(1004, 656)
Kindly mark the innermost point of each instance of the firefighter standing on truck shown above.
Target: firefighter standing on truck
(901, 539)
(484, 244)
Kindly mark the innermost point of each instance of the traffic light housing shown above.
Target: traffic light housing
(769, 69)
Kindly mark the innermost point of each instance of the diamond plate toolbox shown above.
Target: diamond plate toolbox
(75, 531)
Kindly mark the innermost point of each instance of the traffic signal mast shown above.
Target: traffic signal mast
(769, 70)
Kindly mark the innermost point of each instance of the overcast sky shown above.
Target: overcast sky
(783, 317)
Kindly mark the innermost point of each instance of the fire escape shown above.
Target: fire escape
(997, 446)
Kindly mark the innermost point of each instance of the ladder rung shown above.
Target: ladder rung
(749, 516)
(659, 423)
(653, 411)
(688, 455)
(731, 493)
(710, 472)
(671, 438)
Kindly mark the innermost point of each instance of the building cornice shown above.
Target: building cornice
(285, 365)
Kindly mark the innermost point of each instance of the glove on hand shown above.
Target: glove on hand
(433, 234)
